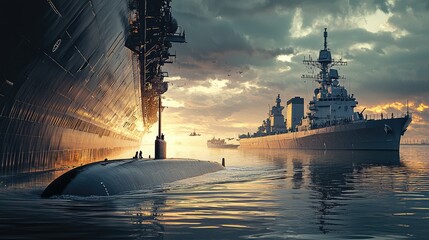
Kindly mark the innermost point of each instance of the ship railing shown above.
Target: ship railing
(380, 116)
(339, 122)
(331, 123)
(366, 117)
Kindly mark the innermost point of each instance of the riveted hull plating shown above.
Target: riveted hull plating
(69, 88)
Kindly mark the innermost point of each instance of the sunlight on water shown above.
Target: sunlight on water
(262, 194)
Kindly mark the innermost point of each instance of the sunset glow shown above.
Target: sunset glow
(396, 106)
(223, 84)
(422, 107)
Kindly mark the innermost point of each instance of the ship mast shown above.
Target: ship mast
(329, 96)
(325, 35)
(324, 63)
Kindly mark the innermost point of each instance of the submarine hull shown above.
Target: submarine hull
(384, 134)
(120, 176)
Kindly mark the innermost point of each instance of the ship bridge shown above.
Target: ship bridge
(331, 101)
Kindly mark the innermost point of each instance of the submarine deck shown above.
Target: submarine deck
(118, 176)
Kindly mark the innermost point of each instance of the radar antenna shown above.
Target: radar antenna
(325, 62)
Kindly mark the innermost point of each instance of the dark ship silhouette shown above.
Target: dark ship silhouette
(220, 143)
(80, 80)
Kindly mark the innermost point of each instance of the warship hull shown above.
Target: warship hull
(222, 146)
(383, 134)
(69, 92)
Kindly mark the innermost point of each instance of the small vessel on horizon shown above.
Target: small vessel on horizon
(220, 143)
(331, 122)
(194, 134)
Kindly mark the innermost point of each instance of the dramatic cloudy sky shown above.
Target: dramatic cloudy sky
(241, 53)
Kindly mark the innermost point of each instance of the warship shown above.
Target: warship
(331, 122)
(80, 80)
(220, 143)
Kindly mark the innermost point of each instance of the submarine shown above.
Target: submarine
(106, 178)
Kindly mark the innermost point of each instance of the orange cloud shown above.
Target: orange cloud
(417, 119)
(382, 108)
(399, 106)
(422, 107)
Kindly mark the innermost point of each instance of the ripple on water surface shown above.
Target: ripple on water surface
(261, 195)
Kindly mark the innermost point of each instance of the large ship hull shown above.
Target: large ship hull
(69, 89)
(383, 134)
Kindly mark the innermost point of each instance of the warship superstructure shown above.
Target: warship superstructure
(80, 80)
(331, 122)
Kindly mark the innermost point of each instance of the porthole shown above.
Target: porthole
(56, 45)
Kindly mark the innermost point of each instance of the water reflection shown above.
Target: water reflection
(28, 180)
(262, 194)
(331, 175)
(298, 171)
(145, 218)
(328, 181)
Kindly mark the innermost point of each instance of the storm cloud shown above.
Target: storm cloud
(240, 54)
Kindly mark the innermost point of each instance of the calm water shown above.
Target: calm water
(261, 195)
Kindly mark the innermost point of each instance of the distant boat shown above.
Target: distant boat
(220, 143)
(194, 134)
